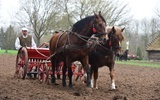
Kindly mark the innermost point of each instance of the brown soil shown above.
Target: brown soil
(133, 83)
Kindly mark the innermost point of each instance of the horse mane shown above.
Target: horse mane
(119, 32)
(78, 26)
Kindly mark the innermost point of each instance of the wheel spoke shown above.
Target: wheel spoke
(22, 62)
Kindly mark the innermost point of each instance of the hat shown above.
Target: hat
(24, 29)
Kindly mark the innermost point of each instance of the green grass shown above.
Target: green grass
(140, 63)
(12, 52)
(129, 62)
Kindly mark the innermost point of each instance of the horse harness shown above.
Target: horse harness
(68, 46)
(107, 51)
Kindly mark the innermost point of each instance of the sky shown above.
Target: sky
(143, 8)
(8, 7)
(139, 9)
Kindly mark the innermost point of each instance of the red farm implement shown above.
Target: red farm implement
(36, 61)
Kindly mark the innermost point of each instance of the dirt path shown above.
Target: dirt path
(133, 83)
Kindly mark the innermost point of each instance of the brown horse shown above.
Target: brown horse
(104, 53)
(72, 46)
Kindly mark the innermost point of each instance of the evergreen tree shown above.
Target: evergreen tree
(139, 53)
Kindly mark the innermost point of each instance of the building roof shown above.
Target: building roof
(154, 45)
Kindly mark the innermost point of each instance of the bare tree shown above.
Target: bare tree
(140, 33)
(45, 15)
(145, 35)
(37, 14)
(146, 29)
(155, 29)
(132, 35)
(115, 12)
(64, 19)
(157, 12)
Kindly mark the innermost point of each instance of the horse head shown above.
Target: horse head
(115, 37)
(90, 25)
(99, 25)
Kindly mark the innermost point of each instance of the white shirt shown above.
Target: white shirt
(18, 46)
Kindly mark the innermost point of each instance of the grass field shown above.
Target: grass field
(140, 63)
(12, 52)
(129, 62)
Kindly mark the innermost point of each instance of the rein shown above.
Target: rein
(105, 50)
(102, 53)
(82, 37)
(73, 46)
(40, 53)
(70, 46)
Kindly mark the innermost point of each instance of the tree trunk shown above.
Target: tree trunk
(6, 51)
(38, 41)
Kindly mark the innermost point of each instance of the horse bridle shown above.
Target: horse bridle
(111, 47)
(95, 30)
(102, 54)
(110, 43)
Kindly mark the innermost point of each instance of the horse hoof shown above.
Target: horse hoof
(96, 88)
(29, 75)
(53, 81)
(70, 86)
(113, 87)
(55, 84)
(89, 85)
(64, 85)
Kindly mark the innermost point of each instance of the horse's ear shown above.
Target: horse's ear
(113, 29)
(96, 16)
(122, 29)
(100, 13)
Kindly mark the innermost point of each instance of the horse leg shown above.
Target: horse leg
(53, 80)
(111, 68)
(86, 66)
(95, 78)
(91, 75)
(64, 68)
(57, 69)
(70, 74)
(88, 75)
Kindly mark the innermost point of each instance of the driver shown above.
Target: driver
(24, 40)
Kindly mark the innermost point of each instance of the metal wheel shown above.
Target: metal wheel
(22, 63)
